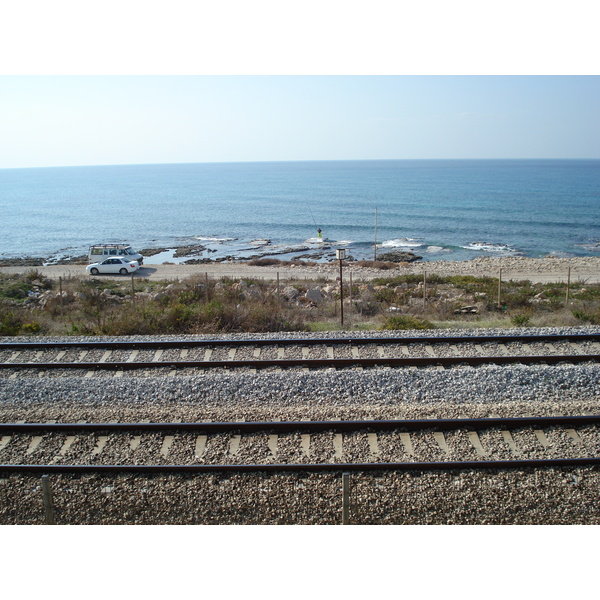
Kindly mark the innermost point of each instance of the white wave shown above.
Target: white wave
(201, 238)
(437, 249)
(401, 243)
(489, 247)
(317, 240)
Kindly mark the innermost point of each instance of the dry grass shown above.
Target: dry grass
(31, 305)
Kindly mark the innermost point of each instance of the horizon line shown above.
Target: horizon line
(309, 160)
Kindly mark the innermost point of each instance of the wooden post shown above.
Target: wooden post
(345, 498)
(48, 507)
(424, 289)
(278, 297)
(341, 296)
(499, 286)
(568, 286)
(132, 291)
(350, 289)
(206, 286)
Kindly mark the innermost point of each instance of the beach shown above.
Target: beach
(538, 270)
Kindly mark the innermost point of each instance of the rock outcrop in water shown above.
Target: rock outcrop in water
(398, 256)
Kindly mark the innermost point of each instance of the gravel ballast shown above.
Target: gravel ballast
(525, 496)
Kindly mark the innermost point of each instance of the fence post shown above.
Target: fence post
(350, 307)
(345, 498)
(424, 289)
(568, 286)
(132, 291)
(48, 507)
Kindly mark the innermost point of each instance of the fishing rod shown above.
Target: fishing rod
(315, 222)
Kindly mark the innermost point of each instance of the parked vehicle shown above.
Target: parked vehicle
(113, 265)
(100, 251)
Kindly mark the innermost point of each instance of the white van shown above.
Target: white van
(99, 252)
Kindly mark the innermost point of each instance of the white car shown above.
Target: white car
(113, 265)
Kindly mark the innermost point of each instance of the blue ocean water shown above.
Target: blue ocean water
(440, 209)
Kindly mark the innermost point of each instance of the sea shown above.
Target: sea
(437, 209)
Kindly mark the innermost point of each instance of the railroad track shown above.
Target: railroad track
(299, 353)
(293, 446)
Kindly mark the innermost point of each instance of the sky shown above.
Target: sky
(56, 120)
(130, 82)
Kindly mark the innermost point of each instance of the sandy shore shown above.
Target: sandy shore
(542, 270)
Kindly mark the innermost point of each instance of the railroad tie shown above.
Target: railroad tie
(440, 438)
(338, 445)
(407, 443)
(542, 439)
(510, 441)
(272, 442)
(100, 443)
(200, 446)
(4, 441)
(168, 442)
(476, 443)
(373, 444)
(36, 441)
(305, 444)
(136, 440)
(234, 443)
(105, 356)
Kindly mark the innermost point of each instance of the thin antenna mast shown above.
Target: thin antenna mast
(375, 246)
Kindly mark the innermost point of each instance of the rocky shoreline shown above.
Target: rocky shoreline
(550, 269)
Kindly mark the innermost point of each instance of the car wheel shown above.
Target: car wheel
(94, 271)
(123, 271)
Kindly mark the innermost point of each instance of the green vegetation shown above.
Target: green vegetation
(406, 322)
(33, 305)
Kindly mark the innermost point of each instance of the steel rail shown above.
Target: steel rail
(311, 362)
(509, 423)
(304, 467)
(158, 344)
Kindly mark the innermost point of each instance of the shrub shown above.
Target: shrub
(10, 323)
(594, 319)
(264, 262)
(406, 322)
(521, 320)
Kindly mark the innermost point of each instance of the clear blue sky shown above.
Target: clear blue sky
(83, 120)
